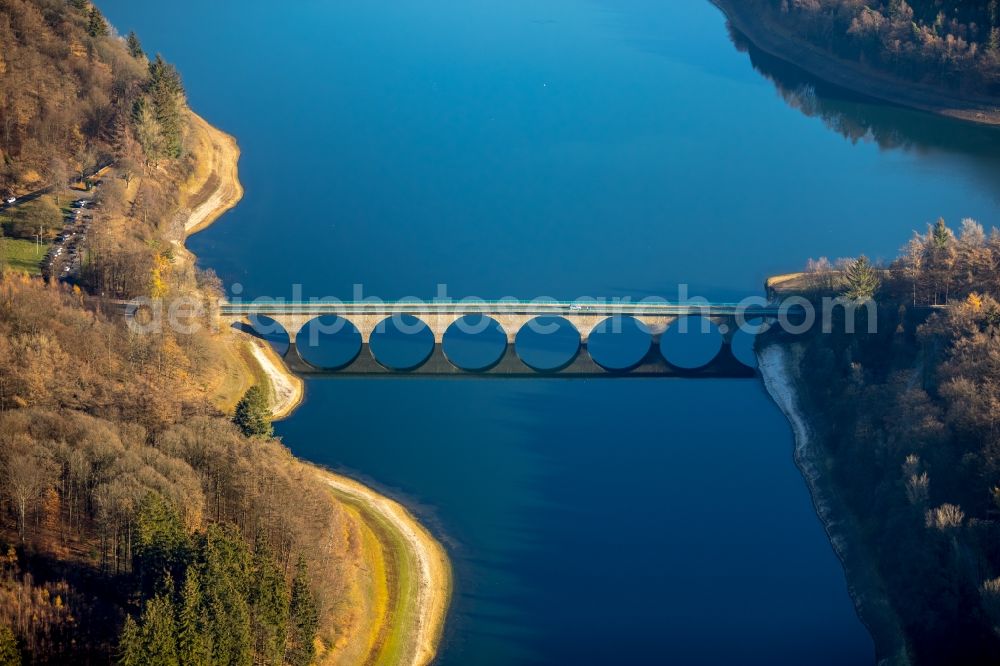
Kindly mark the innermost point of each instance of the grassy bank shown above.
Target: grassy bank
(408, 586)
(22, 255)
(772, 37)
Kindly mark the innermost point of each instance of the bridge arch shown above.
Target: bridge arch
(620, 343)
(743, 342)
(547, 344)
(328, 342)
(691, 343)
(272, 331)
(401, 343)
(474, 343)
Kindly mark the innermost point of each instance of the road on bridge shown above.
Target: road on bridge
(510, 306)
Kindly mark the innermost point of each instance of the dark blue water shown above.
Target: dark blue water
(565, 149)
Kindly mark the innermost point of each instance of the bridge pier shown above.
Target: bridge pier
(510, 365)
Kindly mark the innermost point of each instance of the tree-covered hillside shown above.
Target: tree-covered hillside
(950, 43)
(74, 96)
(908, 421)
(138, 525)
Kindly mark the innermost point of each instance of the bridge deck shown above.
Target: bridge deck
(540, 308)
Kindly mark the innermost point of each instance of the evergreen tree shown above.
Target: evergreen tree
(303, 619)
(226, 580)
(162, 547)
(159, 633)
(862, 280)
(96, 25)
(193, 640)
(941, 234)
(167, 96)
(269, 608)
(10, 655)
(130, 650)
(253, 415)
(134, 45)
(147, 130)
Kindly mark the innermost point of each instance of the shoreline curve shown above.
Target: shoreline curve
(218, 191)
(432, 599)
(781, 43)
(864, 585)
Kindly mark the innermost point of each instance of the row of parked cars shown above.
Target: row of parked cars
(64, 258)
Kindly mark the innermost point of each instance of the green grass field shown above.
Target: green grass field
(22, 255)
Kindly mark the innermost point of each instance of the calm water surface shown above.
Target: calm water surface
(508, 147)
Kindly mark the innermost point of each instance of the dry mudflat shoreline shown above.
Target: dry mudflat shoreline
(780, 42)
(404, 575)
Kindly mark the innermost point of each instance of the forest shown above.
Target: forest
(908, 417)
(138, 523)
(949, 43)
(119, 484)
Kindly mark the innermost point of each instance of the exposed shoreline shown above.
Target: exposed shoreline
(781, 43)
(287, 389)
(431, 598)
(221, 188)
(420, 618)
(214, 189)
(864, 585)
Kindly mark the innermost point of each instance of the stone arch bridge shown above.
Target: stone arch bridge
(369, 318)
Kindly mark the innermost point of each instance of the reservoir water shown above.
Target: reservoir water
(564, 148)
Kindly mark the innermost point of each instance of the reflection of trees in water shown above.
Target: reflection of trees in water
(861, 118)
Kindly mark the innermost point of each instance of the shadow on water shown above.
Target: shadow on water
(860, 118)
(267, 329)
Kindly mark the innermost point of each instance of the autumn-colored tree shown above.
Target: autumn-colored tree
(27, 474)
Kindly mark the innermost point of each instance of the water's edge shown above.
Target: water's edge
(432, 566)
(780, 375)
(779, 43)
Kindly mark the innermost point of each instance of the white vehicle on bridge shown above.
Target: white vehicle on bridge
(10, 200)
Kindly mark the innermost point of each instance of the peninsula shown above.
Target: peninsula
(894, 433)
